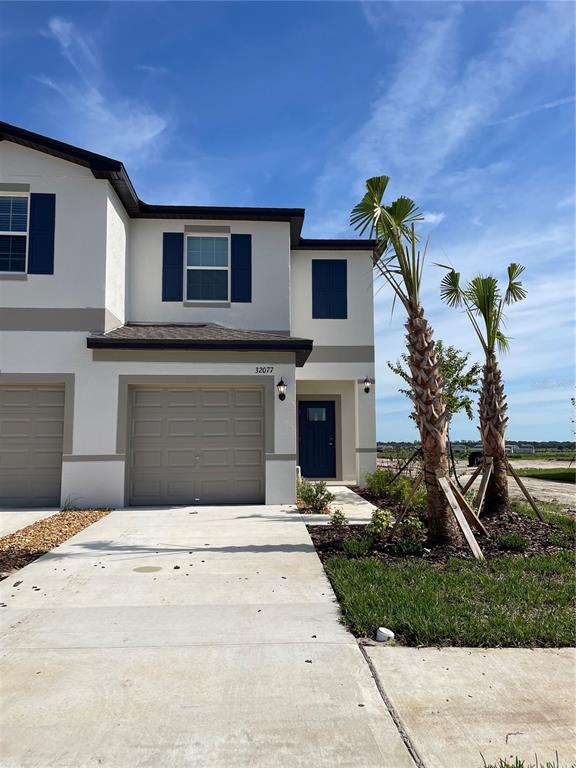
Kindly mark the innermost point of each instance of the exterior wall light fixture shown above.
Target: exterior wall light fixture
(281, 387)
(367, 385)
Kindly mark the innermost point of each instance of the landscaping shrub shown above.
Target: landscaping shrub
(315, 496)
(379, 484)
(338, 519)
(357, 547)
(419, 502)
(378, 481)
(512, 542)
(380, 524)
(409, 537)
(400, 489)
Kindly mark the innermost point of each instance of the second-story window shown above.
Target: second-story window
(13, 232)
(207, 268)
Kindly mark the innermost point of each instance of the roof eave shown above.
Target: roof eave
(301, 347)
(337, 244)
(103, 167)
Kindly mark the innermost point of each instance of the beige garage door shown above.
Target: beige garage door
(202, 445)
(31, 431)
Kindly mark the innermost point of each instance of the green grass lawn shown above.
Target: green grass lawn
(559, 475)
(505, 601)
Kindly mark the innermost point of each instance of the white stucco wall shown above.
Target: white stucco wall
(96, 399)
(103, 259)
(358, 328)
(270, 306)
(117, 233)
(80, 234)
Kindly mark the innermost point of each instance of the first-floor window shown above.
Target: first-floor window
(13, 232)
(207, 268)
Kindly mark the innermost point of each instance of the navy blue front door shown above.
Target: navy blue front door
(317, 438)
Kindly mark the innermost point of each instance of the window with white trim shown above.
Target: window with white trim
(207, 268)
(13, 232)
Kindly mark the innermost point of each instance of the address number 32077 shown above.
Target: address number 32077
(264, 369)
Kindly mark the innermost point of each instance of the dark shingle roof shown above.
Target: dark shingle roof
(198, 336)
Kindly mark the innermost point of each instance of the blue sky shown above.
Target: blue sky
(469, 107)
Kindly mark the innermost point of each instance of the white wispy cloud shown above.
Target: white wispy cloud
(533, 110)
(423, 129)
(126, 128)
(429, 217)
(426, 113)
(152, 69)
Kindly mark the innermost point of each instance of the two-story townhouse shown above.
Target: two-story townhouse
(160, 355)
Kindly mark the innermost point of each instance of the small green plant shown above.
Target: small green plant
(357, 547)
(409, 537)
(419, 501)
(314, 496)
(512, 542)
(400, 489)
(338, 519)
(68, 504)
(378, 482)
(380, 524)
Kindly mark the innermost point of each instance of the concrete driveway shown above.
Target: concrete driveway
(461, 705)
(182, 637)
(14, 519)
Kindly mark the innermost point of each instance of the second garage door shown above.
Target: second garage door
(201, 445)
(31, 434)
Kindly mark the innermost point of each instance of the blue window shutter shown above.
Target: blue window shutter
(241, 265)
(172, 266)
(41, 234)
(329, 289)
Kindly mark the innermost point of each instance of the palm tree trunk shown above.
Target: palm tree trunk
(432, 422)
(493, 422)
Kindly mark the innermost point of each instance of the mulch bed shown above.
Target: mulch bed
(22, 547)
(328, 540)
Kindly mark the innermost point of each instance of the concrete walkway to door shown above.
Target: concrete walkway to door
(184, 637)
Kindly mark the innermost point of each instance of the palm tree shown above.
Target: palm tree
(484, 303)
(397, 259)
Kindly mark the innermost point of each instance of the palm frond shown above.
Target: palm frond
(450, 289)
(366, 213)
(395, 255)
(404, 211)
(502, 341)
(514, 291)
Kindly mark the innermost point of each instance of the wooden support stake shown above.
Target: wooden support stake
(488, 466)
(474, 476)
(524, 490)
(467, 509)
(459, 515)
(411, 495)
(416, 453)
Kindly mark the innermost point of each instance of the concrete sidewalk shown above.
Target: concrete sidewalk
(356, 509)
(182, 637)
(12, 520)
(462, 704)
